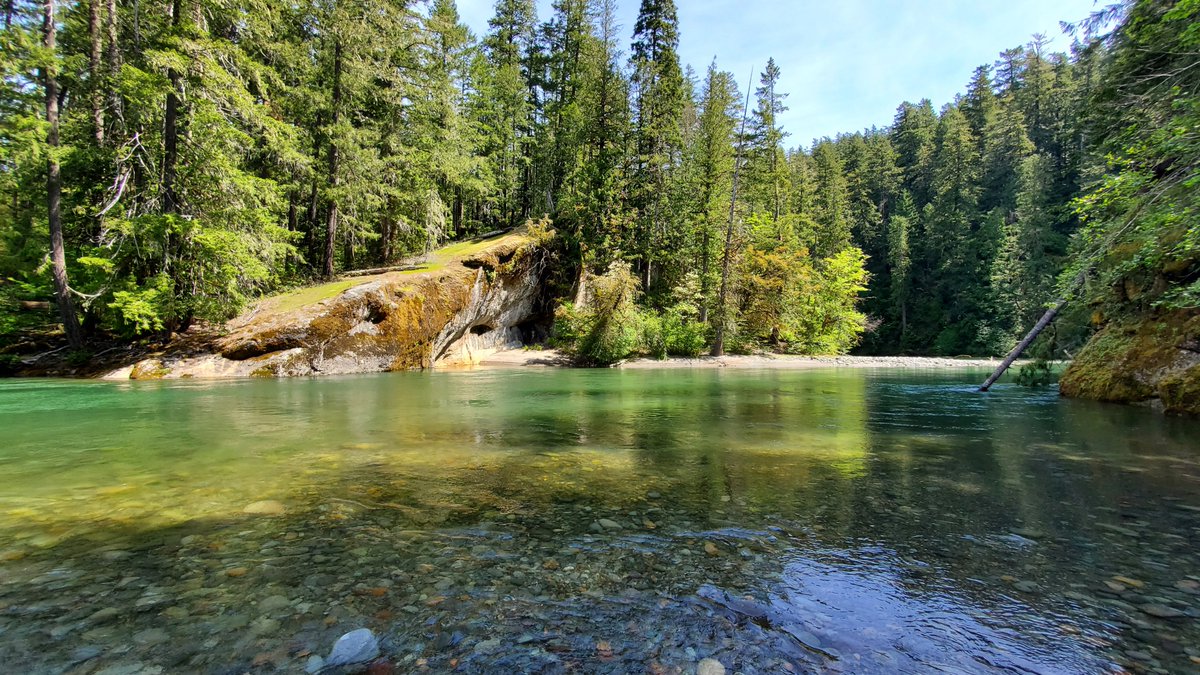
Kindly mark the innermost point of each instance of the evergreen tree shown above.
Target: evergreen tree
(1005, 148)
(831, 205)
(899, 266)
(711, 157)
(1023, 275)
(600, 214)
(503, 103)
(950, 262)
(658, 100)
(913, 134)
(979, 104)
(766, 167)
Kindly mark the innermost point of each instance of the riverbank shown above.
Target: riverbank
(548, 358)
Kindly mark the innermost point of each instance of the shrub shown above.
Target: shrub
(607, 329)
(682, 337)
(654, 338)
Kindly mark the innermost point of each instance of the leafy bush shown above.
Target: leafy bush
(654, 340)
(1036, 373)
(682, 337)
(143, 309)
(608, 328)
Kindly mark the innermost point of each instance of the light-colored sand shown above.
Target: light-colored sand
(550, 357)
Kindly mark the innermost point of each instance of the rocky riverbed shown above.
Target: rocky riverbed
(596, 521)
(652, 585)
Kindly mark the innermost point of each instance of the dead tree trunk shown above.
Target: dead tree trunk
(94, 77)
(171, 128)
(58, 256)
(1046, 320)
(331, 226)
(718, 348)
(113, 67)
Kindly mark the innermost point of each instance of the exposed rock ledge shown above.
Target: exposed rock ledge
(1153, 360)
(468, 301)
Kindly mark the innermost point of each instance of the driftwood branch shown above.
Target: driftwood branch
(382, 270)
(120, 185)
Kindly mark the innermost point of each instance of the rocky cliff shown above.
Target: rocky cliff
(1154, 358)
(462, 304)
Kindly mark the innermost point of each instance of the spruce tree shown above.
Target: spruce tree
(658, 100)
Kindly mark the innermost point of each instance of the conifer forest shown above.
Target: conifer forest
(164, 162)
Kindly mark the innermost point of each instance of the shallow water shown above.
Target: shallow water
(596, 521)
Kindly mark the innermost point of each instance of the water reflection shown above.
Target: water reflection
(836, 520)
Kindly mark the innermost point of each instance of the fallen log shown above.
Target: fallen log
(1037, 329)
(381, 270)
(1024, 344)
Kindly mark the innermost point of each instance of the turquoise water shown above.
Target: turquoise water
(596, 521)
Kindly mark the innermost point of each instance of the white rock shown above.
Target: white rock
(357, 646)
(267, 507)
(710, 667)
(314, 665)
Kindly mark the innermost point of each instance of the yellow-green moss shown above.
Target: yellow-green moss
(151, 369)
(1139, 360)
(314, 294)
(436, 261)
(1180, 391)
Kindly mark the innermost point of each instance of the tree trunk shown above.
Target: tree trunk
(94, 77)
(1046, 319)
(704, 282)
(718, 348)
(310, 220)
(114, 62)
(331, 225)
(58, 256)
(1024, 344)
(385, 240)
(171, 129)
(456, 213)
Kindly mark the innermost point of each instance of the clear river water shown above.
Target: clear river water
(579, 521)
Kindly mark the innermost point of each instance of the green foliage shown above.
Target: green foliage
(791, 302)
(608, 328)
(1036, 373)
(308, 138)
(143, 309)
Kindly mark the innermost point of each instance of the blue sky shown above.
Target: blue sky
(847, 64)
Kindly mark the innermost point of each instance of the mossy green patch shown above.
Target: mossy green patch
(314, 294)
(434, 262)
(1139, 360)
(1180, 391)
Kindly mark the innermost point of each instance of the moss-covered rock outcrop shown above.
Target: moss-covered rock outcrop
(464, 302)
(1156, 357)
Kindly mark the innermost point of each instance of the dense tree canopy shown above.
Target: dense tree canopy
(170, 160)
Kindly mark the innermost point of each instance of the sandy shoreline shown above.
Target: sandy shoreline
(522, 358)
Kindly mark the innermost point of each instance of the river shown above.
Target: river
(856, 521)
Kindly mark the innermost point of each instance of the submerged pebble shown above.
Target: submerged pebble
(357, 646)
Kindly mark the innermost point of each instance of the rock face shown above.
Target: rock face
(1155, 358)
(469, 301)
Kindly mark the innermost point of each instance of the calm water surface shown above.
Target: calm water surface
(558, 521)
